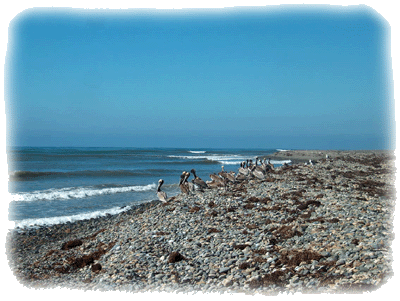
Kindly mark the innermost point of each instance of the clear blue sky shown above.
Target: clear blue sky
(283, 77)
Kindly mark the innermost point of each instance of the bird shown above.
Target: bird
(240, 177)
(217, 181)
(264, 166)
(197, 181)
(223, 174)
(213, 184)
(270, 164)
(190, 185)
(258, 174)
(162, 196)
(259, 168)
(182, 184)
(231, 176)
(243, 170)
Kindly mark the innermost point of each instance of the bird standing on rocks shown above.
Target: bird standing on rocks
(197, 181)
(217, 181)
(192, 188)
(183, 184)
(162, 196)
(243, 170)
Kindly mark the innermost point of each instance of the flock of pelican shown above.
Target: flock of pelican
(247, 170)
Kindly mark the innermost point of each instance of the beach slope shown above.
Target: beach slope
(325, 227)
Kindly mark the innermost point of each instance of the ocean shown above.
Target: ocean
(57, 185)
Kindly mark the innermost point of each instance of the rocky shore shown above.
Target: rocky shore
(325, 227)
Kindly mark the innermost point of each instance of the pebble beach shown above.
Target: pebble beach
(325, 227)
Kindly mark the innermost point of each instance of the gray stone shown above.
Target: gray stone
(224, 269)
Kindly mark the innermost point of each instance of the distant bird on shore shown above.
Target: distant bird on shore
(162, 196)
(197, 181)
(270, 164)
(243, 170)
(216, 178)
(258, 167)
(182, 183)
(190, 185)
(240, 177)
(231, 176)
(258, 174)
(227, 176)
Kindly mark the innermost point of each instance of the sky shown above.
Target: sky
(314, 77)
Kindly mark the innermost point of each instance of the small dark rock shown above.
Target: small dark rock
(71, 244)
(175, 257)
(96, 267)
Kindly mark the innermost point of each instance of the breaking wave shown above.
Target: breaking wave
(71, 218)
(75, 193)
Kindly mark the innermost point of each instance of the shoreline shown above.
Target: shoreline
(303, 156)
(245, 239)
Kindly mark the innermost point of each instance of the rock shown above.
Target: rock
(224, 269)
(227, 281)
(175, 257)
(71, 244)
(96, 267)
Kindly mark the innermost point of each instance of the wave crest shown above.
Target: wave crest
(64, 219)
(75, 193)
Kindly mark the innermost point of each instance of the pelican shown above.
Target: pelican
(231, 176)
(197, 181)
(240, 177)
(259, 168)
(213, 184)
(216, 178)
(242, 170)
(270, 164)
(190, 185)
(258, 174)
(228, 176)
(162, 196)
(223, 173)
(182, 184)
(264, 166)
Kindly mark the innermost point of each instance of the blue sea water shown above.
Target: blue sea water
(56, 185)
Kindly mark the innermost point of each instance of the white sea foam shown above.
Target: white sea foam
(197, 152)
(227, 159)
(281, 162)
(212, 157)
(74, 193)
(230, 162)
(282, 150)
(71, 218)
